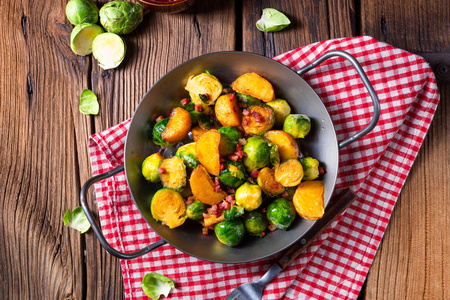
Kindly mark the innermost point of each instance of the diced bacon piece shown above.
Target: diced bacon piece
(245, 112)
(321, 170)
(245, 122)
(242, 141)
(232, 98)
(264, 210)
(258, 119)
(230, 191)
(224, 205)
(213, 209)
(251, 180)
(198, 107)
(222, 167)
(254, 174)
(161, 170)
(222, 159)
(159, 118)
(229, 198)
(184, 101)
(271, 227)
(238, 147)
(263, 233)
(217, 189)
(285, 194)
(204, 231)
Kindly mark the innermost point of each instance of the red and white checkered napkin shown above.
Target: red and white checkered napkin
(336, 264)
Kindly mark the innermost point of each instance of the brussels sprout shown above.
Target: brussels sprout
(281, 213)
(206, 85)
(229, 138)
(249, 196)
(121, 17)
(158, 130)
(168, 207)
(266, 181)
(274, 155)
(205, 121)
(289, 173)
(257, 152)
(230, 232)
(233, 213)
(187, 154)
(233, 175)
(109, 49)
(247, 99)
(82, 37)
(255, 223)
(259, 119)
(150, 167)
(297, 125)
(282, 110)
(310, 168)
(195, 210)
(81, 11)
(173, 173)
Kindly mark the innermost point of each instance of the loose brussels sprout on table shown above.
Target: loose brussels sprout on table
(195, 211)
(121, 17)
(233, 174)
(81, 11)
(230, 232)
(249, 196)
(297, 125)
(109, 49)
(255, 223)
(257, 152)
(82, 37)
(281, 213)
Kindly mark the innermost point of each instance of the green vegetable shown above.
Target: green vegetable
(88, 103)
(205, 121)
(229, 138)
(187, 154)
(282, 110)
(310, 168)
(150, 167)
(257, 152)
(230, 232)
(154, 285)
(297, 125)
(158, 130)
(233, 213)
(249, 196)
(281, 213)
(272, 20)
(233, 175)
(121, 17)
(76, 219)
(255, 223)
(274, 156)
(82, 36)
(109, 49)
(247, 99)
(195, 210)
(81, 11)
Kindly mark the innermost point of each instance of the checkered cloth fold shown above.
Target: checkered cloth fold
(376, 167)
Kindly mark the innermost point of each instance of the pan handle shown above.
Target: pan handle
(367, 84)
(96, 228)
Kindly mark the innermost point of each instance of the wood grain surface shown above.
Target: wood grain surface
(44, 136)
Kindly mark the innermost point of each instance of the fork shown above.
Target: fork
(254, 290)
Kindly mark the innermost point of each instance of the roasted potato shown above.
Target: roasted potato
(254, 85)
(168, 207)
(203, 188)
(227, 111)
(289, 173)
(207, 151)
(178, 127)
(172, 172)
(259, 119)
(287, 146)
(308, 200)
(197, 132)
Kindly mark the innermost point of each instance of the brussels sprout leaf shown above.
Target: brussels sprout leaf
(88, 103)
(155, 285)
(272, 20)
(76, 219)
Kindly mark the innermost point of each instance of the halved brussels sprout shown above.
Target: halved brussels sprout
(109, 49)
(257, 152)
(173, 174)
(281, 213)
(274, 156)
(229, 138)
(268, 184)
(81, 11)
(310, 168)
(309, 201)
(249, 196)
(254, 85)
(234, 212)
(187, 154)
(150, 167)
(282, 110)
(255, 223)
(82, 37)
(297, 125)
(246, 99)
(168, 207)
(121, 17)
(230, 232)
(158, 129)
(204, 89)
(195, 211)
(289, 173)
(287, 146)
(260, 119)
(178, 126)
(233, 175)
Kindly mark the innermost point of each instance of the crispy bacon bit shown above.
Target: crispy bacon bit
(264, 210)
(230, 199)
(321, 170)
(230, 191)
(216, 181)
(213, 209)
(159, 118)
(254, 173)
(222, 159)
(217, 188)
(184, 101)
(161, 170)
(262, 233)
(242, 141)
(204, 231)
(189, 200)
(285, 194)
(271, 227)
(258, 119)
(238, 147)
(205, 216)
(245, 122)
(232, 98)
(233, 157)
(222, 167)
(251, 180)
(242, 104)
(245, 112)
(235, 109)
(198, 107)
(224, 205)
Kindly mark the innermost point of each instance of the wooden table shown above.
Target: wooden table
(44, 154)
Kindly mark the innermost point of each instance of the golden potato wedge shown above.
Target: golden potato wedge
(289, 173)
(254, 85)
(308, 200)
(197, 132)
(174, 173)
(168, 207)
(227, 111)
(203, 187)
(207, 151)
(258, 125)
(178, 127)
(287, 146)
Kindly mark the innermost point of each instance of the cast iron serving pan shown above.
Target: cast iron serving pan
(321, 143)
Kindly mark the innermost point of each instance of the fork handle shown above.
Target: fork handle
(339, 205)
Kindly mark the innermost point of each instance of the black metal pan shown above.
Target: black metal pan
(321, 143)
